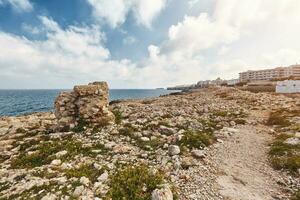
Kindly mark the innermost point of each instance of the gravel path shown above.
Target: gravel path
(245, 171)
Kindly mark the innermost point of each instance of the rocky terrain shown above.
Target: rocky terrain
(215, 143)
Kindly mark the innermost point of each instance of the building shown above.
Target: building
(203, 84)
(232, 82)
(288, 86)
(269, 74)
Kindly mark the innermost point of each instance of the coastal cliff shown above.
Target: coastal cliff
(214, 143)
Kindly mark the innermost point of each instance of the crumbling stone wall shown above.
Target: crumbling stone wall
(88, 103)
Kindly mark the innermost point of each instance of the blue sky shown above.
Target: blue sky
(141, 43)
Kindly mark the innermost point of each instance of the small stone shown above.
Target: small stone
(198, 153)
(174, 150)
(162, 194)
(103, 177)
(84, 181)
(220, 141)
(78, 191)
(56, 162)
(61, 153)
(232, 123)
(145, 139)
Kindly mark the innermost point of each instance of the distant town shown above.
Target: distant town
(279, 79)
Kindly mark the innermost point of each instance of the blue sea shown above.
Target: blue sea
(20, 102)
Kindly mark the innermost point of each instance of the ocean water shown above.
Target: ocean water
(19, 102)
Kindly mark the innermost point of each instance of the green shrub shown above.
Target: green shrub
(154, 143)
(164, 123)
(45, 153)
(240, 121)
(81, 126)
(284, 156)
(221, 113)
(196, 139)
(118, 116)
(87, 170)
(277, 118)
(134, 183)
(127, 130)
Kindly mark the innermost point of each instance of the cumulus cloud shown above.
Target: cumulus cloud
(115, 11)
(237, 36)
(75, 54)
(18, 5)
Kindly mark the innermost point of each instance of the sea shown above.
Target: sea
(20, 102)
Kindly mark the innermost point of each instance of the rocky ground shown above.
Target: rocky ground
(208, 144)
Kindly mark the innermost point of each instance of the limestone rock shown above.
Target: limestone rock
(84, 181)
(86, 103)
(162, 194)
(174, 150)
(292, 141)
(78, 191)
(56, 162)
(198, 153)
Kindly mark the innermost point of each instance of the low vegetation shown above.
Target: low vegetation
(38, 192)
(296, 196)
(45, 152)
(87, 170)
(81, 126)
(196, 139)
(118, 116)
(134, 183)
(278, 118)
(285, 156)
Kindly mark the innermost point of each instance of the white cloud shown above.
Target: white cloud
(19, 5)
(239, 35)
(115, 11)
(74, 55)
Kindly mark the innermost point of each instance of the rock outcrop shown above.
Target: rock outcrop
(86, 103)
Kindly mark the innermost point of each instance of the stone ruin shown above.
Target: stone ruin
(85, 103)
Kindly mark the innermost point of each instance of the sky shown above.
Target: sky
(48, 44)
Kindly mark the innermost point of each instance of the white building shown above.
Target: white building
(288, 86)
(232, 82)
(269, 74)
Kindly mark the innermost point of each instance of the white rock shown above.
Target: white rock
(103, 177)
(198, 153)
(84, 181)
(61, 153)
(145, 139)
(162, 194)
(56, 162)
(297, 135)
(49, 197)
(174, 150)
(66, 166)
(78, 191)
(292, 141)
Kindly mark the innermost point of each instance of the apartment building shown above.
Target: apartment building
(268, 74)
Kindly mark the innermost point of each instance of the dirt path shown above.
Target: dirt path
(245, 171)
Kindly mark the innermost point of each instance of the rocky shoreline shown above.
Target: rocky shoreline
(209, 144)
